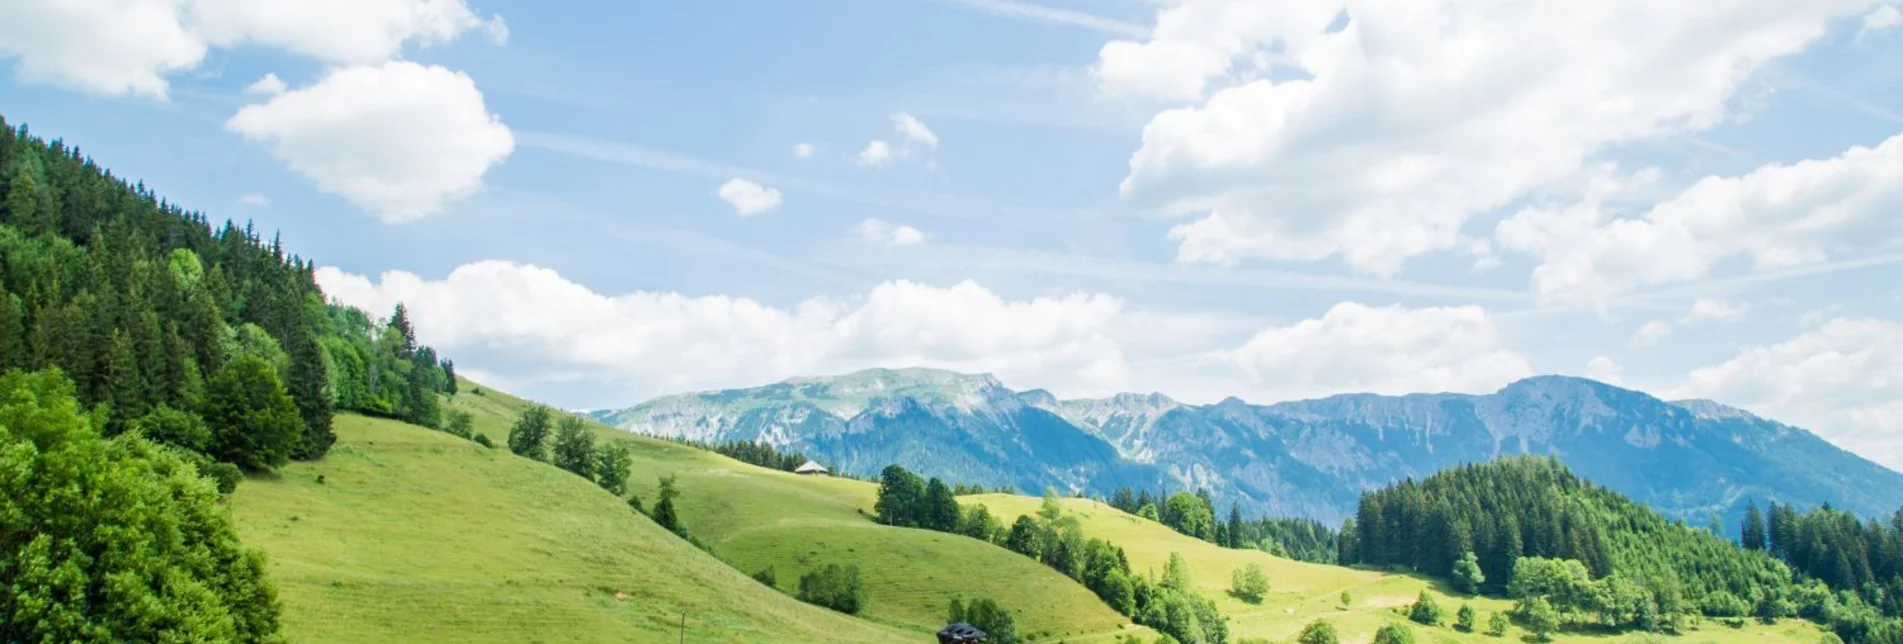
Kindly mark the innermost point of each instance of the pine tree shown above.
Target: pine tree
(125, 386)
(309, 388)
(664, 514)
(1235, 526)
(1752, 535)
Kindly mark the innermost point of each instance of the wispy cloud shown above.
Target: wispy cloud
(1053, 15)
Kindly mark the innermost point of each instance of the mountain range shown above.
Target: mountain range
(1689, 459)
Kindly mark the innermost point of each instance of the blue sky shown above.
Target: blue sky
(1198, 197)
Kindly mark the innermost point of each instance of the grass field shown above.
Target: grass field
(1303, 592)
(755, 518)
(418, 536)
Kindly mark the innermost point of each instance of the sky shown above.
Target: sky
(595, 203)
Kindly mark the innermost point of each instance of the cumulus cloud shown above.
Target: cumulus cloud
(1777, 216)
(400, 139)
(1390, 350)
(1651, 333)
(1416, 115)
(1708, 310)
(1606, 370)
(884, 233)
(653, 341)
(877, 153)
(913, 131)
(748, 198)
(1839, 380)
(115, 47)
(269, 85)
(1883, 19)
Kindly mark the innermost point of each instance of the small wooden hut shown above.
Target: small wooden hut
(961, 633)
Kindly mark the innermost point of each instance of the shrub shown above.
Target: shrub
(169, 426)
(225, 475)
(483, 440)
(1425, 611)
(1497, 625)
(1318, 632)
(837, 587)
(768, 577)
(1394, 634)
(987, 616)
(1249, 584)
(1464, 619)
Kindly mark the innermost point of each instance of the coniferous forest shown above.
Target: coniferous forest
(1528, 528)
(151, 357)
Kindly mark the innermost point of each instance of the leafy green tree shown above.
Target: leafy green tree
(979, 523)
(1347, 598)
(460, 423)
(1318, 632)
(1394, 634)
(1190, 515)
(940, 510)
(1176, 572)
(836, 587)
(611, 468)
(1467, 574)
(169, 426)
(1425, 611)
(1149, 511)
(901, 497)
(575, 447)
(529, 436)
(113, 539)
(1249, 583)
(1497, 624)
(1025, 538)
(254, 424)
(1541, 618)
(664, 514)
(1466, 619)
(997, 623)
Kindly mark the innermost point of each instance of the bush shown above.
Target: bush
(1497, 625)
(767, 576)
(225, 475)
(1318, 632)
(1394, 634)
(168, 426)
(837, 587)
(1464, 619)
(1249, 584)
(1425, 611)
(253, 422)
(987, 616)
(483, 440)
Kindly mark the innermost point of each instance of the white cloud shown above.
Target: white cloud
(877, 153)
(804, 150)
(1419, 114)
(400, 139)
(672, 342)
(107, 47)
(338, 31)
(748, 198)
(1389, 350)
(1651, 334)
(883, 233)
(914, 131)
(269, 85)
(1606, 370)
(1777, 216)
(1841, 381)
(117, 47)
(1708, 310)
(1883, 19)
(254, 199)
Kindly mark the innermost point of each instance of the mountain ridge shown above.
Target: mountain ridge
(1688, 459)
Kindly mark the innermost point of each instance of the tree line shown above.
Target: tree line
(1528, 528)
(1057, 540)
(1195, 515)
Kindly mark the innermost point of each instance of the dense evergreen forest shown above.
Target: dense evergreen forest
(1530, 529)
(148, 358)
(1195, 515)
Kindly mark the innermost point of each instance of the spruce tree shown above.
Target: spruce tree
(254, 424)
(1752, 536)
(309, 389)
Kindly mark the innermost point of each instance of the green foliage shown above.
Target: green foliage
(1752, 534)
(1497, 624)
(833, 586)
(1318, 632)
(1394, 634)
(940, 510)
(1540, 617)
(168, 426)
(761, 453)
(529, 435)
(254, 423)
(1467, 574)
(978, 523)
(768, 577)
(664, 514)
(1298, 539)
(1190, 514)
(1149, 511)
(575, 447)
(1249, 583)
(996, 622)
(1425, 611)
(1466, 619)
(1176, 572)
(611, 468)
(901, 497)
(113, 539)
(483, 440)
(1347, 598)
(460, 423)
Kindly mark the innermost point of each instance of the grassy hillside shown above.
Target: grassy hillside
(755, 518)
(418, 536)
(1303, 592)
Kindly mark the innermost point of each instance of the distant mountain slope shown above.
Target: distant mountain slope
(1308, 458)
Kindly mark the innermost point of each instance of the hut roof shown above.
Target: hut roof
(810, 468)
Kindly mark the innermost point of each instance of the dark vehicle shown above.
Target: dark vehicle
(961, 634)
